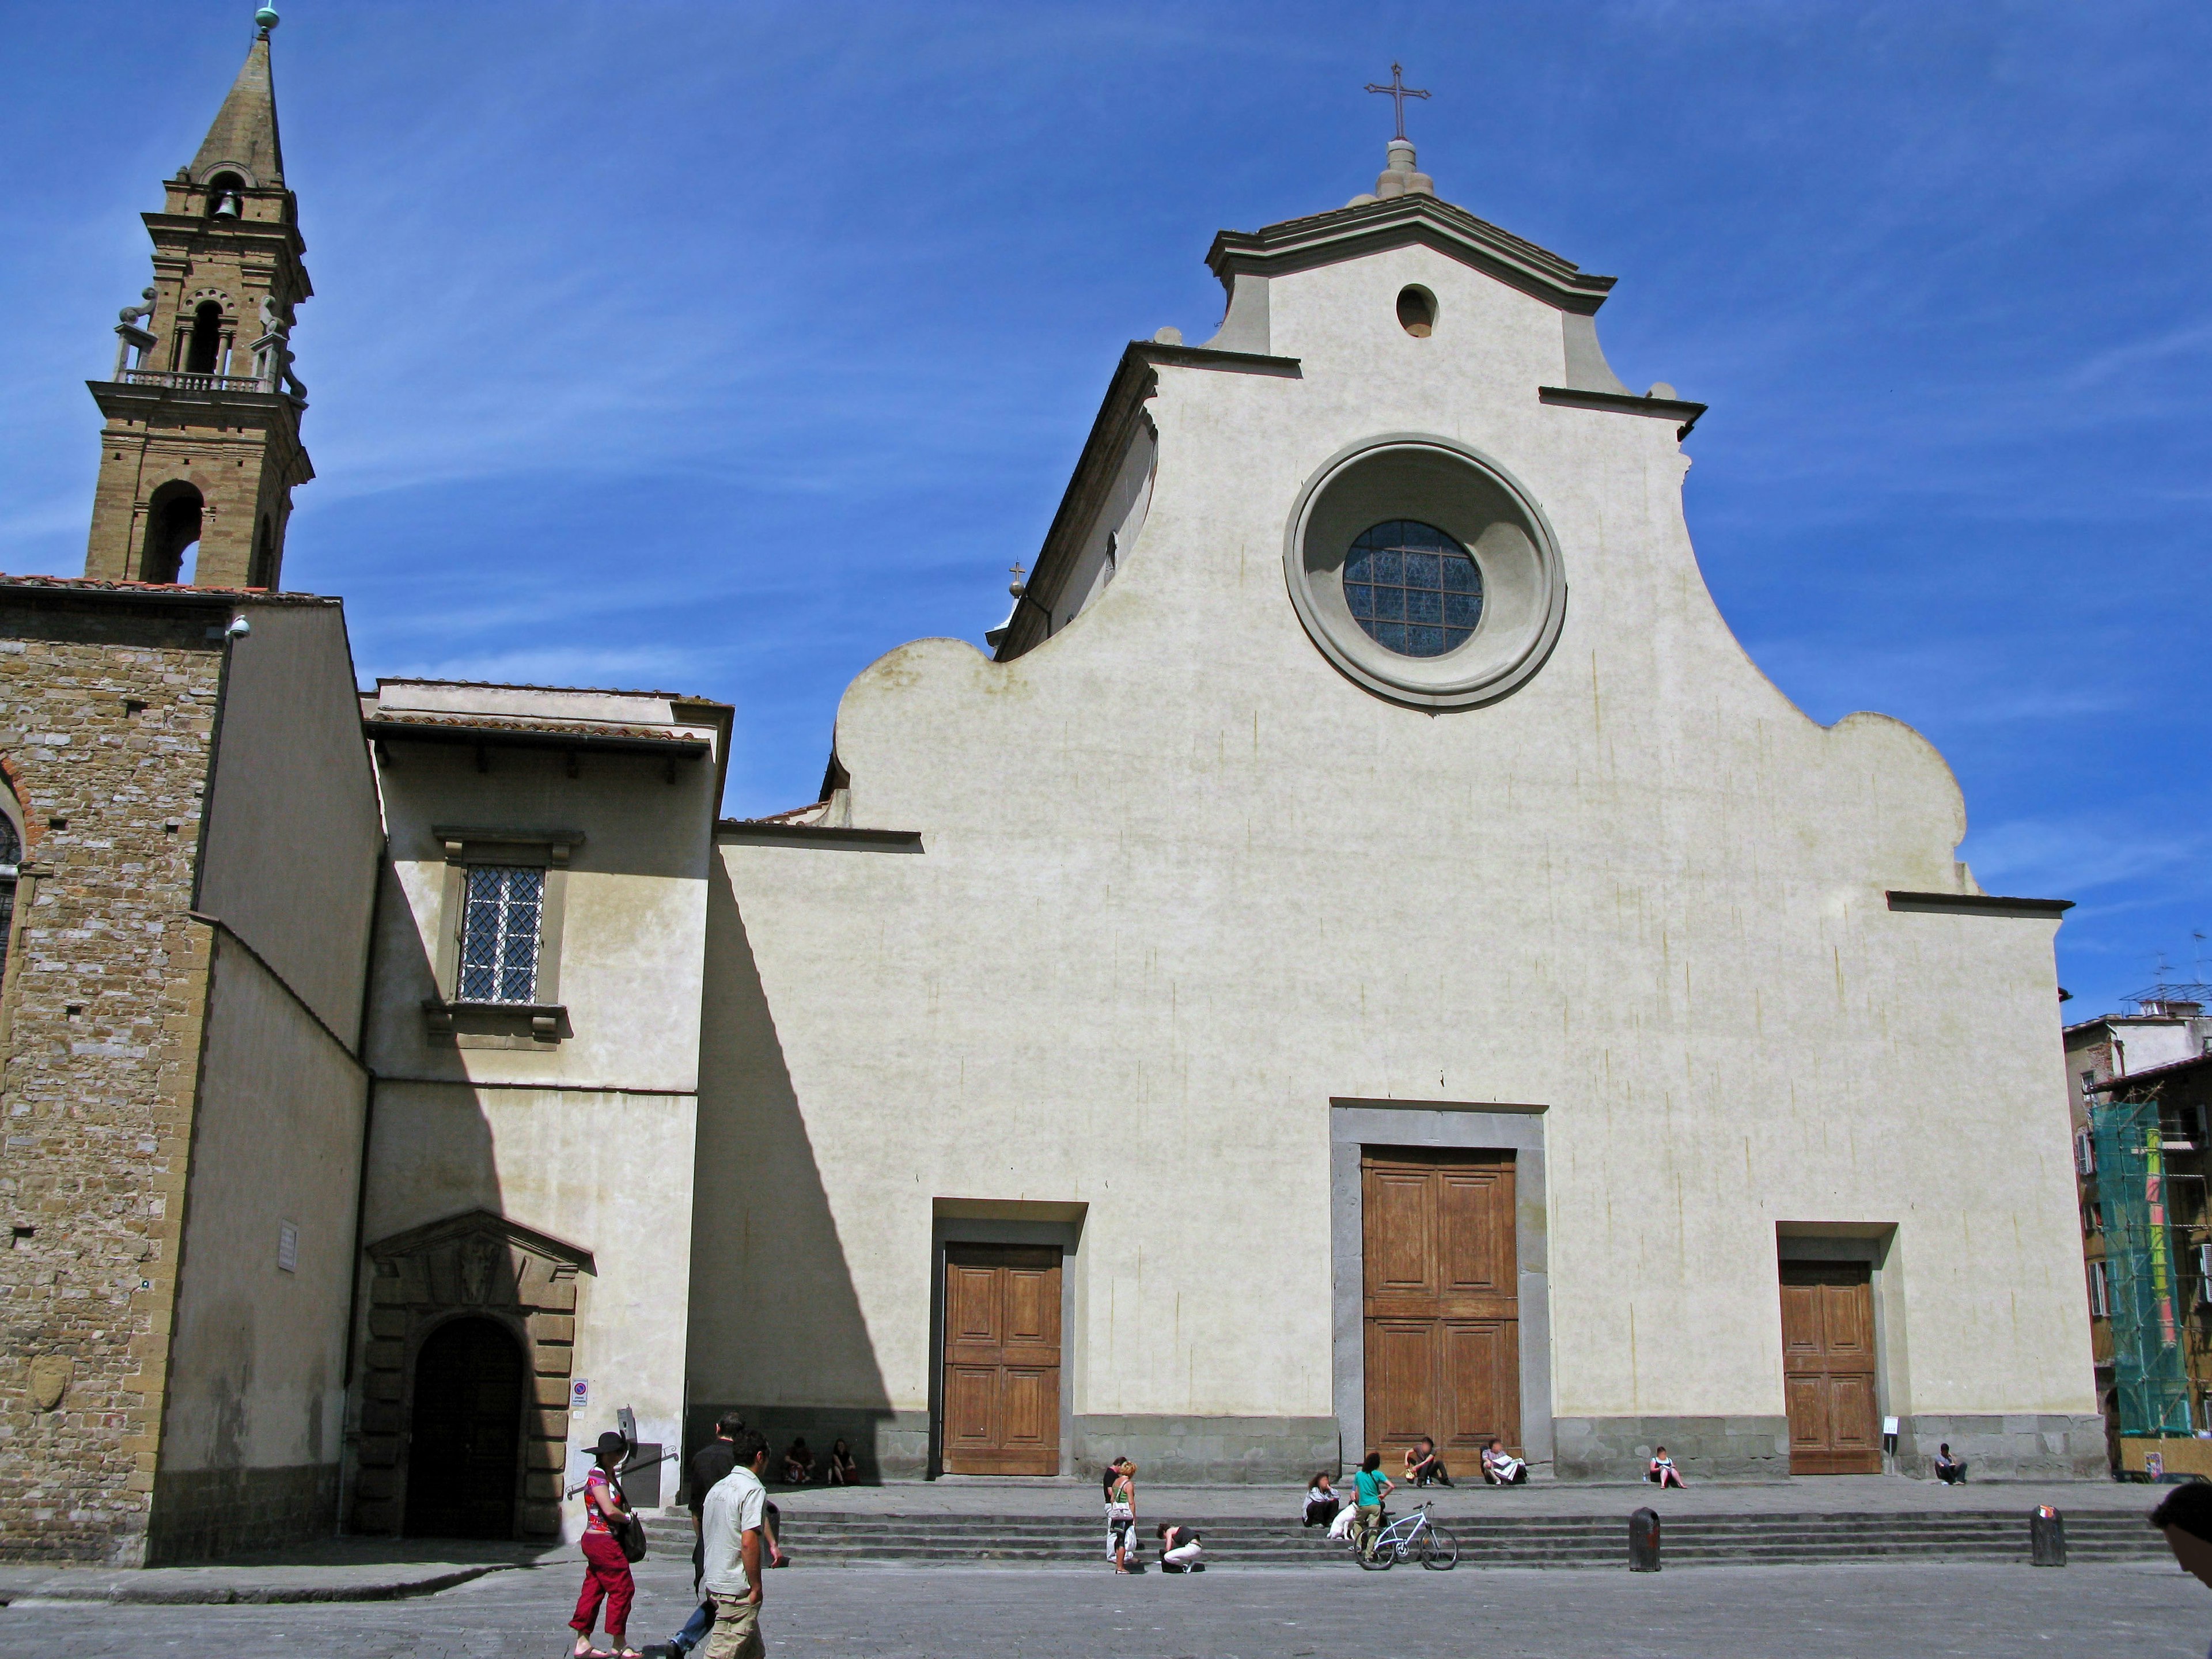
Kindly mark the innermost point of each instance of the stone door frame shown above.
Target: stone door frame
(473, 1265)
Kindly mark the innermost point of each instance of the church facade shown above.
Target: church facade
(1364, 954)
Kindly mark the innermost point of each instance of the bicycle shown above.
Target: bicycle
(1413, 1537)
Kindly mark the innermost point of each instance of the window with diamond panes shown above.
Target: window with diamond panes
(1412, 588)
(499, 934)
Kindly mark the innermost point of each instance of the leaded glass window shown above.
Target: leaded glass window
(499, 934)
(1412, 588)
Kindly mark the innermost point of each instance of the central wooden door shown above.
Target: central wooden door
(1827, 1368)
(1001, 1360)
(1442, 1311)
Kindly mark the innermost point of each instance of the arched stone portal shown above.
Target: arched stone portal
(464, 1467)
(520, 1282)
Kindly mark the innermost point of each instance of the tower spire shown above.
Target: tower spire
(244, 135)
(200, 451)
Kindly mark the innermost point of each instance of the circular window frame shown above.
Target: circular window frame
(1459, 490)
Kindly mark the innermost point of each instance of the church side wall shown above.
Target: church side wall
(251, 1452)
(293, 831)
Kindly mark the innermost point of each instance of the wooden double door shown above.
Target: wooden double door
(1001, 1391)
(1442, 1310)
(1828, 1368)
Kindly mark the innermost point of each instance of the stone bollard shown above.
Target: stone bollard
(2047, 1537)
(1643, 1542)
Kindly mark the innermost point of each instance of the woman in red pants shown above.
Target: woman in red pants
(606, 1569)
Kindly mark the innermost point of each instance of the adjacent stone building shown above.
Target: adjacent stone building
(183, 1093)
(193, 823)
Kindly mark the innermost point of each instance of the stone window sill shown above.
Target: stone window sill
(496, 1024)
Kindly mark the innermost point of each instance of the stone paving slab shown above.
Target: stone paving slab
(1829, 1495)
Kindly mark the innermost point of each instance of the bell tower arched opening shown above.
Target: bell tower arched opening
(203, 347)
(173, 520)
(225, 196)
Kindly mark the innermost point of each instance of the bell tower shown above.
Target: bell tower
(201, 450)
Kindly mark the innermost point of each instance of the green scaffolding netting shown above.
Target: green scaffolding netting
(2148, 1365)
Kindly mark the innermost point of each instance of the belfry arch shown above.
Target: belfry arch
(175, 518)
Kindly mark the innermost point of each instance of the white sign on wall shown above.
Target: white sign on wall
(579, 1394)
(288, 1248)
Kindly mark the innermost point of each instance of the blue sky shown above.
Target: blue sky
(722, 348)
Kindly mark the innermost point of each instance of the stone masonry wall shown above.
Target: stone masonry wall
(106, 715)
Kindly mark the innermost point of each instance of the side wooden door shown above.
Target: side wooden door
(1001, 1360)
(1828, 1368)
(1442, 1305)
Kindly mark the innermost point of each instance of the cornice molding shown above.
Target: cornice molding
(1625, 402)
(1979, 904)
(1366, 227)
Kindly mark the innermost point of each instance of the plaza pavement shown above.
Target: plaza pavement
(1856, 1611)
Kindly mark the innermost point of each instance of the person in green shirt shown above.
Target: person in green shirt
(1369, 1488)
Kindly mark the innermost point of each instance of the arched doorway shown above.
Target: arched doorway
(463, 1458)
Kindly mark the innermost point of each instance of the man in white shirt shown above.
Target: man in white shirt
(729, 1531)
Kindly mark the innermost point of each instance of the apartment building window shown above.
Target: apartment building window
(2101, 1292)
(2085, 1153)
(499, 933)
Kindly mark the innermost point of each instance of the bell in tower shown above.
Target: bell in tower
(200, 451)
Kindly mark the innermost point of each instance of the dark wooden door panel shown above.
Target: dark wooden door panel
(1476, 1213)
(1442, 1310)
(1828, 1368)
(1480, 1364)
(1402, 1260)
(1001, 1386)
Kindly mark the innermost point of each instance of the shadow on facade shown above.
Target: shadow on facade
(776, 1328)
(435, 1249)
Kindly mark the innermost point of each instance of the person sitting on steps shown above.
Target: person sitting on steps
(1422, 1464)
(1664, 1470)
(1951, 1471)
(1500, 1468)
(798, 1463)
(844, 1467)
(1179, 1549)
(1321, 1501)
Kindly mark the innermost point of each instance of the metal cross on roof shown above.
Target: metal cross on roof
(1400, 92)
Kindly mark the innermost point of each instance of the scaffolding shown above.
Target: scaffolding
(2148, 1365)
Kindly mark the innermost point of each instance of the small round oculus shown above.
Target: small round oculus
(1412, 588)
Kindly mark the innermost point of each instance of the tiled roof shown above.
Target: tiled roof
(516, 685)
(439, 720)
(2153, 1074)
(161, 590)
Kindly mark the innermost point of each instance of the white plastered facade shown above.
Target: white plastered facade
(1181, 884)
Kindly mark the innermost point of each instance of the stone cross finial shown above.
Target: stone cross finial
(1400, 92)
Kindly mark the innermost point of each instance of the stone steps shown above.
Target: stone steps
(1532, 1540)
